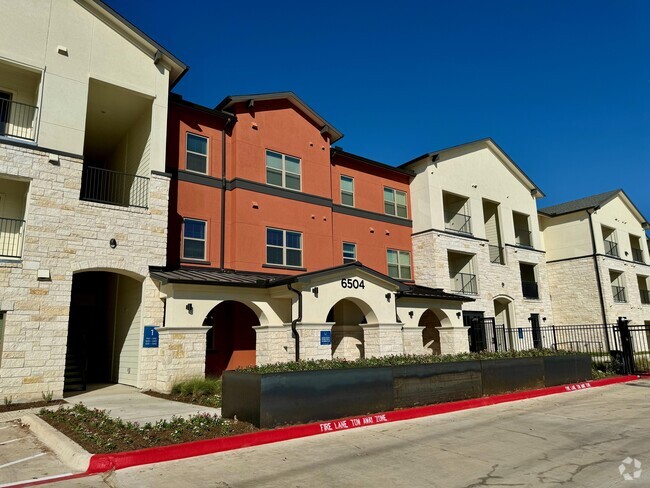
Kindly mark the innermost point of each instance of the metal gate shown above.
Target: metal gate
(485, 335)
(634, 343)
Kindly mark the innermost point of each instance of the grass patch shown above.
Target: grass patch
(399, 360)
(98, 433)
(197, 391)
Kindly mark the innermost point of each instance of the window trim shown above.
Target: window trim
(351, 193)
(207, 153)
(406, 206)
(399, 266)
(353, 260)
(283, 172)
(205, 241)
(284, 249)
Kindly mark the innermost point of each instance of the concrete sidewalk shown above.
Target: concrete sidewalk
(130, 404)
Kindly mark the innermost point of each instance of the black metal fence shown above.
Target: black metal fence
(17, 119)
(11, 237)
(107, 186)
(464, 283)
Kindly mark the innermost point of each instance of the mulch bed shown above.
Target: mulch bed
(23, 406)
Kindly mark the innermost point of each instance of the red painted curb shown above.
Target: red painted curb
(104, 462)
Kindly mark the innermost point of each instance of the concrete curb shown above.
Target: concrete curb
(68, 451)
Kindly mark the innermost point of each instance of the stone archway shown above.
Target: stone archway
(430, 323)
(347, 331)
(231, 340)
(504, 317)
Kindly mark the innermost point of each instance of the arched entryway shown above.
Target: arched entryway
(504, 320)
(430, 323)
(230, 342)
(347, 333)
(104, 330)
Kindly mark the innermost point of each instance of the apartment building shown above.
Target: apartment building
(83, 196)
(282, 246)
(476, 233)
(597, 259)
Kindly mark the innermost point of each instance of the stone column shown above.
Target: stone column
(273, 344)
(453, 340)
(382, 339)
(310, 340)
(181, 355)
(412, 339)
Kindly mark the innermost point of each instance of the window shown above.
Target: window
(609, 241)
(347, 191)
(282, 170)
(196, 158)
(395, 202)
(399, 264)
(618, 286)
(349, 252)
(194, 239)
(283, 247)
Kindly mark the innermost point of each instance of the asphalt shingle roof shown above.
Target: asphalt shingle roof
(579, 204)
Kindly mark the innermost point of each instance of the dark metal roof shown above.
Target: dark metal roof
(580, 204)
(339, 150)
(178, 99)
(207, 276)
(417, 291)
(335, 269)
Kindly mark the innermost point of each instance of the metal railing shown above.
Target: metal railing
(611, 248)
(458, 222)
(17, 120)
(464, 283)
(645, 297)
(619, 294)
(637, 255)
(496, 254)
(11, 237)
(530, 289)
(115, 188)
(523, 237)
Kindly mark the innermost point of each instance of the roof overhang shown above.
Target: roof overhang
(158, 53)
(324, 126)
(339, 151)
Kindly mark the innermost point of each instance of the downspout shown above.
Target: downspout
(600, 285)
(294, 330)
(222, 253)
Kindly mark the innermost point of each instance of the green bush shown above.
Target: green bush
(198, 387)
(398, 360)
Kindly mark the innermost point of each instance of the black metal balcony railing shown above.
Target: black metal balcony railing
(458, 222)
(115, 188)
(11, 238)
(637, 255)
(645, 297)
(619, 294)
(17, 119)
(464, 283)
(530, 289)
(523, 237)
(496, 254)
(611, 248)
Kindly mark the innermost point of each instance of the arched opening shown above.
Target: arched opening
(104, 330)
(503, 320)
(430, 332)
(347, 333)
(230, 342)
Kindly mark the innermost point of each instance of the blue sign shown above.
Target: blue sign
(150, 336)
(520, 333)
(325, 337)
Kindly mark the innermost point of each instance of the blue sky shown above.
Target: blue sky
(562, 86)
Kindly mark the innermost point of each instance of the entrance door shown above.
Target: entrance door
(476, 331)
(5, 104)
(536, 331)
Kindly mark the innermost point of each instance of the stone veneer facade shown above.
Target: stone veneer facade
(431, 267)
(65, 235)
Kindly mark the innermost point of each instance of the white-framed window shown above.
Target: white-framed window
(347, 191)
(349, 252)
(194, 239)
(395, 202)
(282, 170)
(196, 153)
(283, 247)
(399, 264)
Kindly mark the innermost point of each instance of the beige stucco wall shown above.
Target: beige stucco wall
(30, 36)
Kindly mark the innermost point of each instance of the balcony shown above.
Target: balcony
(619, 294)
(17, 119)
(523, 237)
(637, 255)
(11, 237)
(611, 248)
(464, 283)
(458, 222)
(496, 254)
(114, 188)
(645, 297)
(530, 289)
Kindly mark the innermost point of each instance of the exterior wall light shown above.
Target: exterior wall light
(411, 314)
(112, 243)
(388, 296)
(458, 314)
(314, 290)
(189, 308)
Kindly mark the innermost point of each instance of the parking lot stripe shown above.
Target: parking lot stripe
(37, 481)
(22, 460)
(12, 440)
